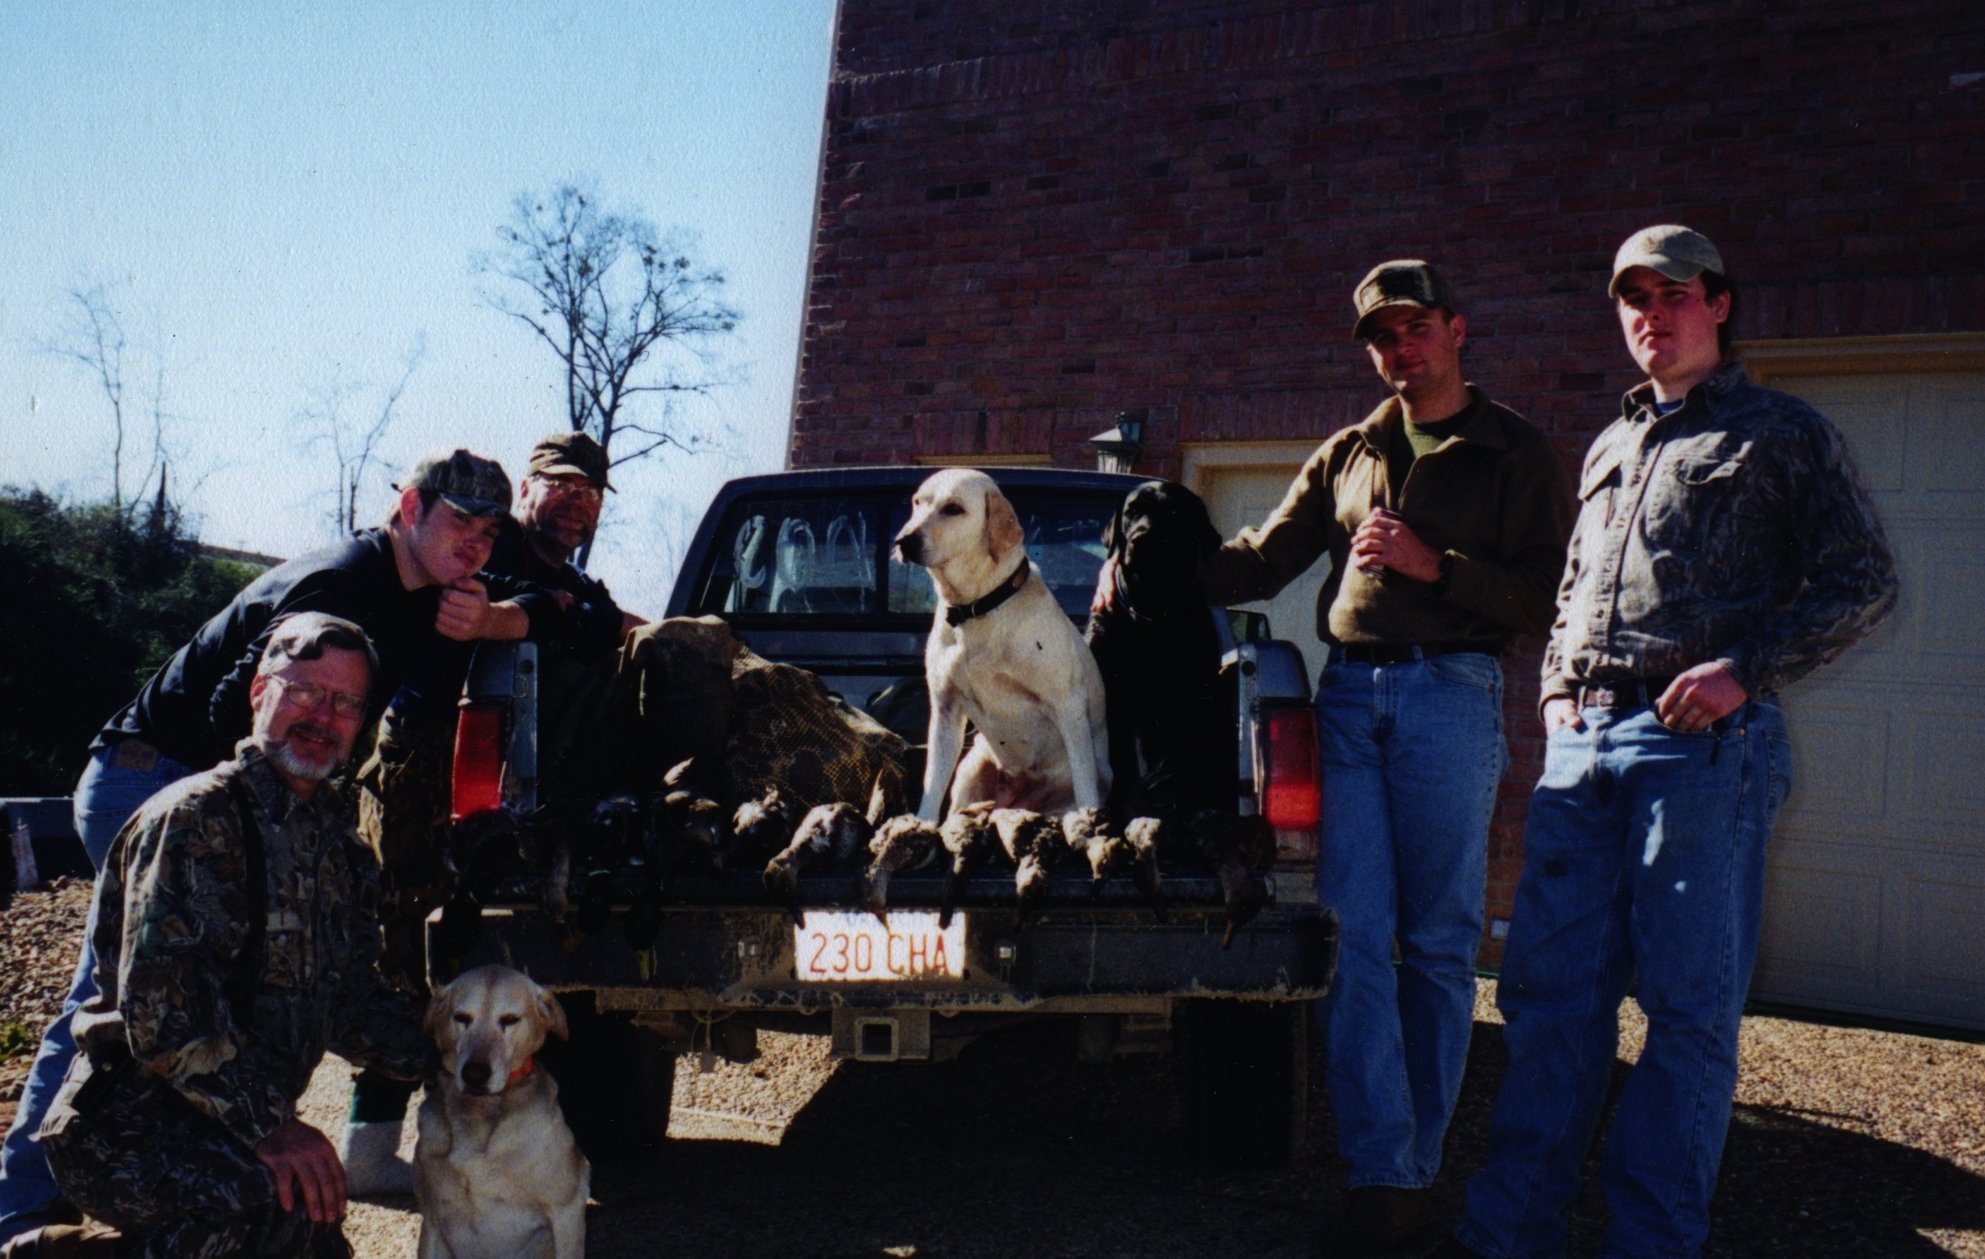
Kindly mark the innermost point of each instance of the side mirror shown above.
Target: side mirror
(1248, 627)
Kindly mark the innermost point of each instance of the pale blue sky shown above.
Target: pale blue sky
(288, 195)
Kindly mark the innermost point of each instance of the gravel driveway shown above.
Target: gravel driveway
(1846, 1142)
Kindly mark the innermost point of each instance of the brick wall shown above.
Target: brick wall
(1033, 215)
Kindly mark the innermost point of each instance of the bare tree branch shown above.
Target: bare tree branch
(92, 334)
(354, 451)
(627, 310)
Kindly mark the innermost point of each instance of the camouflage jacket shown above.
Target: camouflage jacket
(172, 913)
(1732, 529)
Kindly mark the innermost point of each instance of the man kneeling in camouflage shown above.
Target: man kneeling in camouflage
(237, 940)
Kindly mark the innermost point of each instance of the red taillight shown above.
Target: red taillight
(478, 772)
(1290, 796)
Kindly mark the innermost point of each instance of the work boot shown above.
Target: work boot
(68, 1241)
(1383, 1222)
(371, 1154)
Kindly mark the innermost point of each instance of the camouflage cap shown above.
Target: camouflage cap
(465, 480)
(1401, 282)
(1680, 253)
(566, 453)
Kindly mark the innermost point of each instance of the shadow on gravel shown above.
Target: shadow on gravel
(1789, 1185)
(1016, 1148)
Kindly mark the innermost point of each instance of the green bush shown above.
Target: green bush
(94, 602)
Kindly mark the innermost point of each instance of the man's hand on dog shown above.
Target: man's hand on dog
(1385, 541)
(306, 1167)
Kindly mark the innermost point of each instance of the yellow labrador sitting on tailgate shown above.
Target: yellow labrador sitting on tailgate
(496, 1172)
(1003, 656)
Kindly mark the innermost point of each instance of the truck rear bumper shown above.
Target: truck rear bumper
(1059, 960)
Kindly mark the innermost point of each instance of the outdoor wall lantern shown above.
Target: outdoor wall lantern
(1117, 448)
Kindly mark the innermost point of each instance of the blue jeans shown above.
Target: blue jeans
(1412, 754)
(106, 796)
(1644, 857)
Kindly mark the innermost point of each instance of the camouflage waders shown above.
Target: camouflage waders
(133, 1153)
(403, 805)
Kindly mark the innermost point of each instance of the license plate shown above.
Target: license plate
(835, 947)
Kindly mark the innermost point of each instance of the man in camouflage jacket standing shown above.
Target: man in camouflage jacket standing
(237, 941)
(1725, 549)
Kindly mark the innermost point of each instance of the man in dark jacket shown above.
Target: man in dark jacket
(1444, 516)
(407, 582)
(237, 943)
(404, 804)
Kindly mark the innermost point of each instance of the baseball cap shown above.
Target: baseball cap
(465, 481)
(1680, 253)
(565, 453)
(1401, 282)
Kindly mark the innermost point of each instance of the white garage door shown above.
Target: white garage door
(1876, 898)
(1241, 484)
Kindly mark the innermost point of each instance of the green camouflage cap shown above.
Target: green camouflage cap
(465, 481)
(566, 453)
(1680, 253)
(1401, 282)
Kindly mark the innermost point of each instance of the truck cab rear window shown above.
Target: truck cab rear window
(828, 556)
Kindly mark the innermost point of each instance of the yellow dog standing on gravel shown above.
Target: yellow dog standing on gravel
(497, 1173)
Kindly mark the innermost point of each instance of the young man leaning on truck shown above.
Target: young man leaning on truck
(411, 580)
(404, 807)
(1444, 516)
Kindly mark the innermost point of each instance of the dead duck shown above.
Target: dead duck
(642, 926)
(759, 828)
(899, 843)
(1239, 849)
(829, 834)
(967, 836)
(1145, 838)
(1033, 842)
(692, 827)
(1087, 834)
(618, 831)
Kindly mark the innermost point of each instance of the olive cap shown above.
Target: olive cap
(1401, 282)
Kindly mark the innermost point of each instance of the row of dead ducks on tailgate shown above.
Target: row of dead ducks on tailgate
(682, 829)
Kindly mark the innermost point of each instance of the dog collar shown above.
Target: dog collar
(959, 613)
(530, 1066)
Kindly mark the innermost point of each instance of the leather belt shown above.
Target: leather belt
(130, 752)
(1400, 653)
(1618, 693)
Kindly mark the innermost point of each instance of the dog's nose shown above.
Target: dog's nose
(911, 547)
(476, 1075)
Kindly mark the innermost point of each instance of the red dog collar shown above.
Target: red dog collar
(530, 1065)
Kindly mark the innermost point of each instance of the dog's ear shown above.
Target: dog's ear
(554, 1014)
(437, 1013)
(1115, 528)
(1203, 528)
(1003, 532)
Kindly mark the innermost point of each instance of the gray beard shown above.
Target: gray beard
(285, 758)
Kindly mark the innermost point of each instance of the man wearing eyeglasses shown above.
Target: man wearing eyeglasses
(235, 928)
(411, 580)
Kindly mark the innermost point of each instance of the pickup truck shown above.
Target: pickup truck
(799, 566)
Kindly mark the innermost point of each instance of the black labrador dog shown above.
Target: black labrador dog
(1153, 635)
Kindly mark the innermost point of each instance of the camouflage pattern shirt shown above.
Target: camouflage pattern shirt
(172, 938)
(1732, 529)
